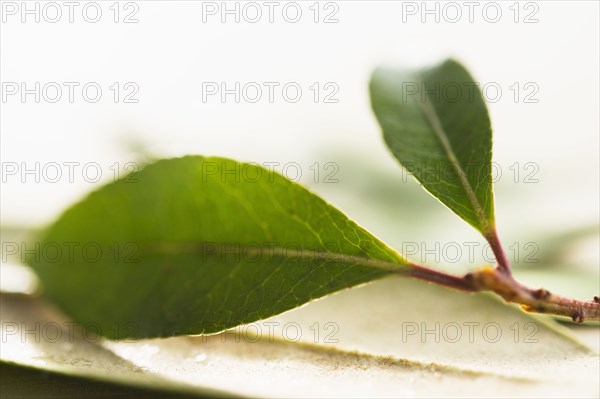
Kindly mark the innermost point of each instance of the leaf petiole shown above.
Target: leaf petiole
(494, 241)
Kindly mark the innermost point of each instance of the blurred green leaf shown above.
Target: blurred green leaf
(35, 337)
(25, 382)
(553, 248)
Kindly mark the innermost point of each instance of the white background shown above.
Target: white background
(170, 52)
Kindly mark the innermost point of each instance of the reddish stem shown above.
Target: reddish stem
(494, 241)
(434, 276)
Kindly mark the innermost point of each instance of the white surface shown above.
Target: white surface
(170, 52)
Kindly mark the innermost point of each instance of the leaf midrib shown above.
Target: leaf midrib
(436, 125)
(177, 248)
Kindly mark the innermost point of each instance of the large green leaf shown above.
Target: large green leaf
(436, 124)
(197, 245)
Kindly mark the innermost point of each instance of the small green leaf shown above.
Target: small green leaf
(436, 124)
(199, 245)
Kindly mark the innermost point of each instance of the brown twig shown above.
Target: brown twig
(538, 301)
(500, 281)
(504, 285)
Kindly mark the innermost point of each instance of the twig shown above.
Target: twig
(538, 301)
(504, 285)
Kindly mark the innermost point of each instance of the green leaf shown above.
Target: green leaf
(436, 124)
(198, 245)
(25, 382)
